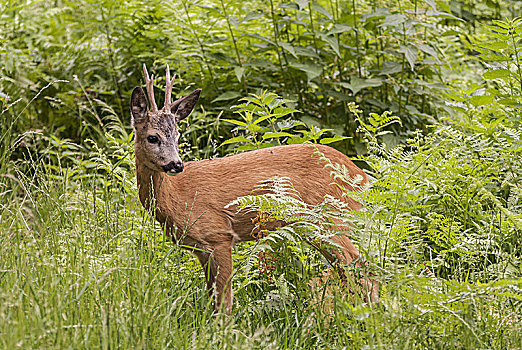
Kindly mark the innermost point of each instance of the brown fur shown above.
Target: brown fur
(192, 204)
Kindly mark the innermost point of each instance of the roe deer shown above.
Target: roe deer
(193, 204)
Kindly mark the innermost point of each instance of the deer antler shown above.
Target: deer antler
(168, 87)
(150, 88)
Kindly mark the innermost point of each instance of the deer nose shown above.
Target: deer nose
(173, 167)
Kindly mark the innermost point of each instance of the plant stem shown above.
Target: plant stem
(243, 80)
(276, 37)
(512, 31)
(356, 39)
(200, 43)
(111, 59)
(325, 110)
(314, 36)
(282, 53)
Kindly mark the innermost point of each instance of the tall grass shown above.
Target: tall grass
(84, 274)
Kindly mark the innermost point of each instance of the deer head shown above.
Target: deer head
(156, 134)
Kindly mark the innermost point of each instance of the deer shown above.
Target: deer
(191, 199)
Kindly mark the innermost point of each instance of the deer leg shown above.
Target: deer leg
(221, 269)
(217, 267)
(346, 253)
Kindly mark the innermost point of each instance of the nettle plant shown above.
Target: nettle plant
(448, 204)
(499, 94)
(265, 120)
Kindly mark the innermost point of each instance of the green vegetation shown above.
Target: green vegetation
(426, 96)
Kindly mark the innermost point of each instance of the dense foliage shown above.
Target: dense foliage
(425, 95)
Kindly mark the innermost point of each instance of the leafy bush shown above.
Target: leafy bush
(382, 55)
(262, 124)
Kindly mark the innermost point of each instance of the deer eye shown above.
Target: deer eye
(152, 139)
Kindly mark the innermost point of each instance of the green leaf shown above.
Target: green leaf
(235, 122)
(228, 95)
(260, 37)
(288, 47)
(263, 118)
(321, 10)
(332, 41)
(255, 128)
(302, 4)
(248, 147)
(357, 84)
(393, 20)
(432, 4)
(234, 21)
(253, 15)
(267, 99)
(429, 50)
(282, 110)
(340, 28)
(312, 70)
(377, 14)
(305, 51)
(443, 5)
(328, 140)
(497, 73)
(450, 32)
(240, 71)
(289, 5)
(495, 58)
(446, 15)
(296, 139)
(235, 140)
(481, 100)
(273, 135)
(501, 24)
(473, 88)
(493, 45)
(389, 68)
(273, 115)
(293, 141)
(411, 54)
(265, 145)
(262, 63)
(508, 102)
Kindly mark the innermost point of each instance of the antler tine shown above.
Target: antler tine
(149, 82)
(168, 86)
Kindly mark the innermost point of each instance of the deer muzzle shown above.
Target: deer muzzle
(173, 168)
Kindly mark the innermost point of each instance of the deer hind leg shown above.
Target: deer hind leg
(217, 267)
(347, 253)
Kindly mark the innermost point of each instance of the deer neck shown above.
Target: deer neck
(159, 190)
(149, 184)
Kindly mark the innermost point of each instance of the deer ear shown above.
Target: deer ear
(138, 106)
(182, 107)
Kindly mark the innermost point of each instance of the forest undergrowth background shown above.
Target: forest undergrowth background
(424, 95)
